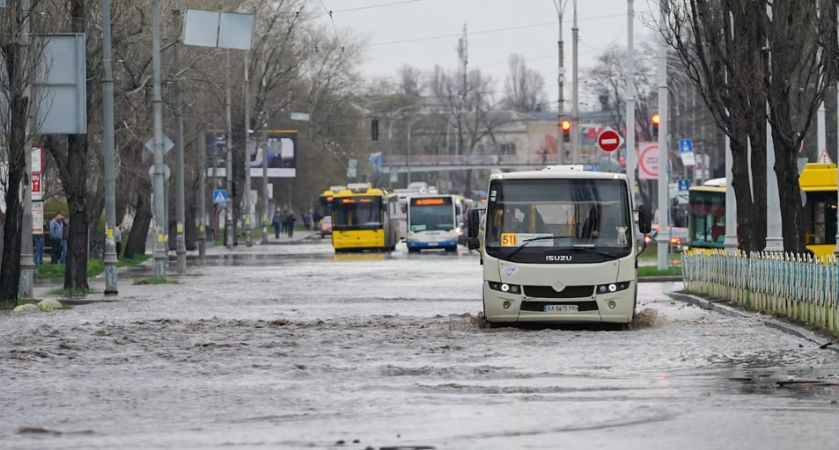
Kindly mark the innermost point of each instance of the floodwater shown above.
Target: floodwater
(303, 349)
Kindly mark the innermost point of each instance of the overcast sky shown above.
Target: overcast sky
(422, 33)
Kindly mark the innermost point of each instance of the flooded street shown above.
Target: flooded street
(310, 350)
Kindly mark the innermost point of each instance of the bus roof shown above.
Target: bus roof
(818, 177)
(557, 173)
(368, 192)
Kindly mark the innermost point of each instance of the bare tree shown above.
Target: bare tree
(16, 105)
(800, 71)
(719, 43)
(524, 89)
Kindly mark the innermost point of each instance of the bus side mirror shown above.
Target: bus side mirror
(645, 225)
(472, 229)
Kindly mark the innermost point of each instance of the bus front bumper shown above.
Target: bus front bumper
(430, 245)
(358, 239)
(504, 307)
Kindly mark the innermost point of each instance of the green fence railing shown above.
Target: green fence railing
(798, 287)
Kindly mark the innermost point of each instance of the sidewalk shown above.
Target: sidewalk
(257, 248)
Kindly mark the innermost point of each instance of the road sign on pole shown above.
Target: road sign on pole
(609, 140)
(648, 161)
(167, 144)
(685, 145)
(219, 196)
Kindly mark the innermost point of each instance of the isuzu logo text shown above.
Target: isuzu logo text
(558, 258)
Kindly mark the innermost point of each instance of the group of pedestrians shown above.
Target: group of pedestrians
(283, 222)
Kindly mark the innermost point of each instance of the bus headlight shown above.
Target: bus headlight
(612, 287)
(505, 287)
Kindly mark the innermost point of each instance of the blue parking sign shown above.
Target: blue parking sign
(685, 145)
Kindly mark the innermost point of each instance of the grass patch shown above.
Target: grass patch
(61, 292)
(47, 271)
(652, 271)
(155, 280)
(651, 254)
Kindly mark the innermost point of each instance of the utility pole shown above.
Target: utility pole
(774, 239)
(180, 208)
(27, 262)
(228, 208)
(463, 56)
(730, 201)
(201, 150)
(265, 209)
(160, 241)
(246, 192)
(629, 147)
(560, 108)
(575, 92)
(108, 152)
(663, 237)
(836, 250)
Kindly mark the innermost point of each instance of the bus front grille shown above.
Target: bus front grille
(540, 306)
(549, 292)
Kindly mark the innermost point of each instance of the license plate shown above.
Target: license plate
(561, 308)
(432, 244)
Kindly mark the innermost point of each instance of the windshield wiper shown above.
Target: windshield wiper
(527, 241)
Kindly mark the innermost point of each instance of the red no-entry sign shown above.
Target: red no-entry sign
(609, 140)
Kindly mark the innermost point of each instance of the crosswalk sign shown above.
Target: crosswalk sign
(219, 196)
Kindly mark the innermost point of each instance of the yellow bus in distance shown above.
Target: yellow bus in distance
(361, 219)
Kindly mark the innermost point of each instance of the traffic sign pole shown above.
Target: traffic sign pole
(108, 154)
(160, 240)
(663, 238)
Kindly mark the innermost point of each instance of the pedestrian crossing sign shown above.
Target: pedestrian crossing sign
(219, 196)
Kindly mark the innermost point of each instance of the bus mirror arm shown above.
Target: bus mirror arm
(644, 220)
(472, 230)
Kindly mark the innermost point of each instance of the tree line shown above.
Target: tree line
(296, 65)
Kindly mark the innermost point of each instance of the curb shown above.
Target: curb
(771, 322)
(660, 278)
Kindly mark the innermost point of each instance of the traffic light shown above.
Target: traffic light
(374, 130)
(565, 124)
(655, 120)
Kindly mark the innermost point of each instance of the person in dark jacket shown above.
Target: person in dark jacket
(56, 232)
(289, 223)
(277, 223)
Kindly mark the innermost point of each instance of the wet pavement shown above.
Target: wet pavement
(293, 347)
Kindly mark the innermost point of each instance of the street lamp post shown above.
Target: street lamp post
(663, 237)
(160, 241)
(108, 152)
(410, 143)
(630, 100)
(560, 142)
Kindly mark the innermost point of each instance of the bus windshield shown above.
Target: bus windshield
(356, 213)
(707, 219)
(432, 214)
(588, 219)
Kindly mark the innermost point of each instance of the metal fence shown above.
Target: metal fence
(798, 287)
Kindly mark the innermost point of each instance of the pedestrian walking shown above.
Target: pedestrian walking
(39, 248)
(307, 219)
(277, 223)
(56, 232)
(316, 220)
(290, 219)
(65, 236)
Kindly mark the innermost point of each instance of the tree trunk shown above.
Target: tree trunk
(758, 209)
(190, 230)
(743, 194)
(75, 190)
(10, 268)
(789, 192)
(136, 242)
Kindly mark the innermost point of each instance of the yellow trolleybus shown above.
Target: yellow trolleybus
(361, 219)
(706, 222)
